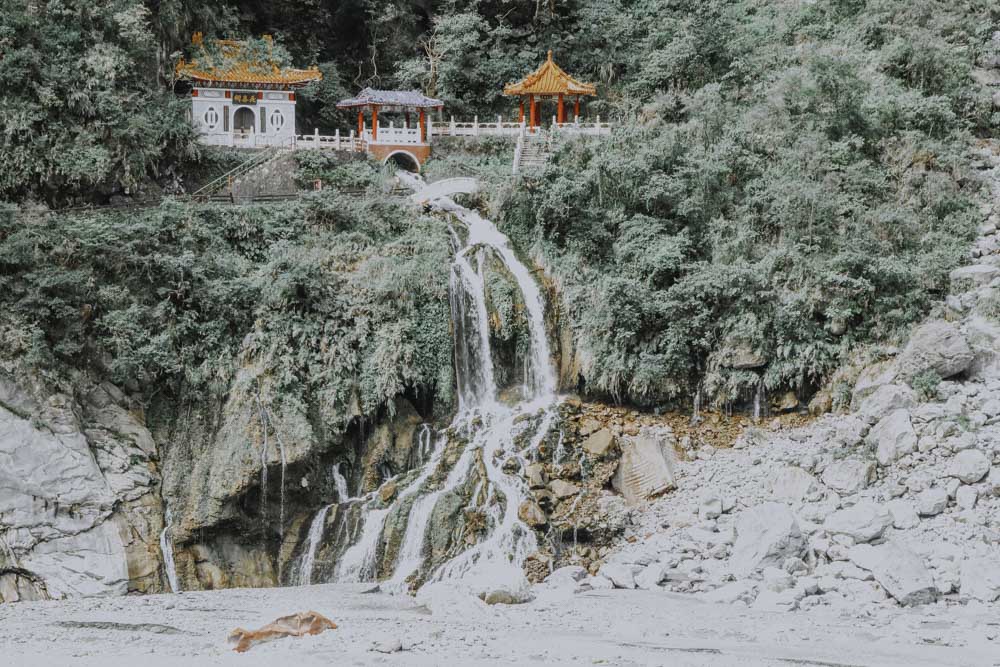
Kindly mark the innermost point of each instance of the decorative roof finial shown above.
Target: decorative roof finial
(550, 55)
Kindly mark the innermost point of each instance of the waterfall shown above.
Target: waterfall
(340, 482)
(359, 562)
(493, 429)
(167, 549)
(312, 544)
(757, 399)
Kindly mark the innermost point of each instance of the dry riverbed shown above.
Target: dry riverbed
(444, 627)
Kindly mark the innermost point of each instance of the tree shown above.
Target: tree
(83, 114)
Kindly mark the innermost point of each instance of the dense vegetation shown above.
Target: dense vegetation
(333, 297)
(790, 180)
(801, 184)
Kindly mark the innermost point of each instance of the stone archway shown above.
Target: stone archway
(403, 159)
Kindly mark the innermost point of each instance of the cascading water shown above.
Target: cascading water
(312, 544)
(340, 483)
(167, 549)
(491, 428)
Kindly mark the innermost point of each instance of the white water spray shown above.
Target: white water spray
(167, 549)
(308, 561)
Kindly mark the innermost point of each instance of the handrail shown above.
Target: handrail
(237, 171)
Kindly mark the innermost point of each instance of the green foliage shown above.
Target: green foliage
(330, 297)
(926, 384)
(81, 106)
(798, 187)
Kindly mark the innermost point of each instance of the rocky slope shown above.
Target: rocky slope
(896, 503)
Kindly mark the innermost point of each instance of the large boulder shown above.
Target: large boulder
(619, 574)
(765, 536)
(893, 437)
(599, 444)
(791, 484)
(644, 471)
(885, 400)
(932, 502)
(870, 379)
(936, 346)
(981, 579)
(969, 465)
(848, 476)
(898, 570)
(969, 277)
(863, 522)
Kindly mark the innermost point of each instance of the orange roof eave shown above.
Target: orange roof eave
(549, 79)
(242, 73)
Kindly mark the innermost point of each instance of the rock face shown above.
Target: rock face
(75, 486)
(898, 570)
(936, 346)
(765, 536)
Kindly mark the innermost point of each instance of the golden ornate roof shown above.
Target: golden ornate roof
(236, 68)
(549, 79)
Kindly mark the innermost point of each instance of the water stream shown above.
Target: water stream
(493, 429)
(167, 549)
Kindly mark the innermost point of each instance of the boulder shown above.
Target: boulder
(869, 380)
(535, 474)
(530, 513)
(966, 497)
(563, 489)
(884, 400)
(903, 514)
(710, 507)
(650, 578)
(862, 522)
(644, 470)
(792, 484)
(765, 536)
(898, 570)
(618, 574)
(600, 443)
(893, 437)
(848, 476)
(969, 277)
(932, 502)
(980, 579)
(969, 465)
(937, 346)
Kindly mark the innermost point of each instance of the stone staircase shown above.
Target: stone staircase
(533, 151)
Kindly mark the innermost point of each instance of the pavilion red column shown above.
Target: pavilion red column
(576, 108)
(531, 111)
(423, 126)
(520, 116)
(562, 110)
(361, 123)
(374, 122)
(406, 119)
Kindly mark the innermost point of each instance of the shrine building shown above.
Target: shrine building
(243, 99)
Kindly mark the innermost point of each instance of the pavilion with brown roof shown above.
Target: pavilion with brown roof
(548, 81)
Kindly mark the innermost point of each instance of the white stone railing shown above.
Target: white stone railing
(391, 134)
(512, 129)
(333, 141)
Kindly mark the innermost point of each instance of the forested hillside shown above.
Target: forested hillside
(788, 179)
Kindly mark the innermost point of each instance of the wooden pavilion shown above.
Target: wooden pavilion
(548, 81)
